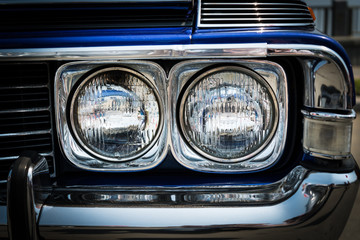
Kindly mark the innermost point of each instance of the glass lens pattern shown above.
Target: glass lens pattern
(229, 114)
(116, 114)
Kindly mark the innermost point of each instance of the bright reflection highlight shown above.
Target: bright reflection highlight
(228, 114)
(116, 113)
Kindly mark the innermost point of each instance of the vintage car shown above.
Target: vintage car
(172, 119)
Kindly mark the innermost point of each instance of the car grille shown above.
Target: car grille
(25, 113)
(262, 13)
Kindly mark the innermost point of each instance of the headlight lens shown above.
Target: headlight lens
(228, 114)
(115, 114)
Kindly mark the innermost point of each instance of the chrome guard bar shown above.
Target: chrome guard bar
(25, 195)
(228, 211)
(205, 211)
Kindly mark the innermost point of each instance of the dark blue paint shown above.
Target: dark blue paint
(94, 38)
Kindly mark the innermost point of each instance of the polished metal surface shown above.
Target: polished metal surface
(319, 85)
(198, 51)
(328, 84)
(247, 50)
(68, 76)
(75, 127)
(252, 74)
(222, 14)
(273, 74)
(36, 178)
(309, 200)
(328, 116)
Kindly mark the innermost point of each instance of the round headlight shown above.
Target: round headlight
(115, 114)
(228, 114)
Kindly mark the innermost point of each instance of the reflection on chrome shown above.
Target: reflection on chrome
(225, 194)
(228, 114)
(326, 87)
(115, 114)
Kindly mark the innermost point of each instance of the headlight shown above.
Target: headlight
(115, 114)
(228, 114)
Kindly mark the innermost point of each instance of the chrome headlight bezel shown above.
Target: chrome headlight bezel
(218, 69)
(73, 126)
(273, 74)
(73, 75)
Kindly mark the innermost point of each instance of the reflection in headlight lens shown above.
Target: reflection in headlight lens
(228, 114)
(116, 114)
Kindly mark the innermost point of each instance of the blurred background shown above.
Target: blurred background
(340, 19)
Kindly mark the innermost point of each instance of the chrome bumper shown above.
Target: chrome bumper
(305, 203)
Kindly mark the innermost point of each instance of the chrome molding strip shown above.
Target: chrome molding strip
(256, 50)
(327, 116)
(26, 110)
(317, 192)
(137, 52)
(50, 154)
(204, 195)
(26, 133)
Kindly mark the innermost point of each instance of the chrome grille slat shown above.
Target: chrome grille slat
(253, 3)
(51, 154)
(25, 110)
(25, 133)
(255, 14)
(262, 13)
(25, 113)
(248, 19)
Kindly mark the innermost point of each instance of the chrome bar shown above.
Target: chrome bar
(25, 133)
(328, 116)
(117, 215)
(260, 18)
(25, 197)
(25, 110)
(254, 14)
(50, 154)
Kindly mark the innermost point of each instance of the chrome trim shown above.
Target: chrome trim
(256, 50)
(254, 14)
(247, 19)
(25, 133)
(252, 3)
(245, 71)
(65, 79)
(137, 52)
(28, 86)
(328, 84)
(28, 176)
(326, 156)
(311, 66)
(312, 200)
(275, 76)
(160, 196)
(258, 21)
(25, 110)
(328, 116)
(86, 146)
(51, 154)
(196, 51)
(182, 52)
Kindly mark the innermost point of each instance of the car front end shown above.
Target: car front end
(173, 119)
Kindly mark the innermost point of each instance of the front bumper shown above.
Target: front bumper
(307, 204)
